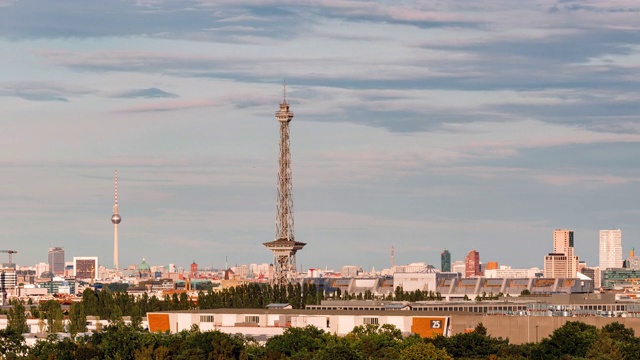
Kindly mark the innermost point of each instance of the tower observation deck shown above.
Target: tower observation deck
(284, 247)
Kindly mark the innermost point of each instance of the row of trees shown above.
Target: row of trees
(574, 340)
(113, 305)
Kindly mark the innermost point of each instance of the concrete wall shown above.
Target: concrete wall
(523, 329)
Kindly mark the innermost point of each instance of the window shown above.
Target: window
(370, 321)
(206, 318)
(252, 319)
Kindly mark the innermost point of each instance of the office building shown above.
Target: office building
(508, 273)
(41, 268)
(610, 249)
(562, 241)
(472, 264)
(349, 271)
(7, 284)
(194, 269)
(595, 274)
(56, 260)
(458, 266)
(85, 267)
(621, 278)
(561, 263)
(445, 261)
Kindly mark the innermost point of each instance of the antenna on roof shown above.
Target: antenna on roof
(284, 90)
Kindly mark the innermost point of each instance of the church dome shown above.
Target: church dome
(144, 266)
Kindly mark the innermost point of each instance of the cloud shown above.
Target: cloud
(158, 19)
(170, 106)
(42, 91)
(146, 93)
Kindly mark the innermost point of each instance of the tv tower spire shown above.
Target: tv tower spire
(115, 219)
(284, 247)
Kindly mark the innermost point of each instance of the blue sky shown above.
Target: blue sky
(420, 125)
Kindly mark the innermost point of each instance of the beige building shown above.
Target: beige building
(610, 249)
(562, 262)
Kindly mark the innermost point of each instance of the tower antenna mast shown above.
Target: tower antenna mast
(115, 219)
(284, 247)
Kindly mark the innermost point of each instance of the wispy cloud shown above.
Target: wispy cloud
(145, 93)
(170, 106)
(41, 91)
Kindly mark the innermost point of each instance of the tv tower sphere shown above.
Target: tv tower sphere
(115, 219)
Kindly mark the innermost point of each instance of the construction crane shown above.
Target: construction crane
(10, 252)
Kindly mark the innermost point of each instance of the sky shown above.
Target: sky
(422, 125)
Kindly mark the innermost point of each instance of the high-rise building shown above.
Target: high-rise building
(284, 247)
(561, 263)
(472, 264)
(349, 271)
(562, 240)
(610, 249)
(445, 261)
(458, 266)
(85, 267)
(595, 274)
(41, 268)
(194, 269)
(56, 260)
(8, 282)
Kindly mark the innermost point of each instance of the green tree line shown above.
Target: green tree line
(110, 305)
(574, 340)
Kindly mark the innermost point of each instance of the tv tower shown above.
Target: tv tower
(284, 247)
(115, 219)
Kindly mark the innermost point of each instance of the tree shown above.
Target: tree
(11, 344)
(473, 345)
(481, 329)
(116, 316)
(90, 302)
(338, 349)
(618, 332)
(77, 319)
(374, 341)
(420, 351)
(55, 318)
(574, 338)
(297, 341)
(121, 341)
(17, 319)
(605, 348)
(136, 318)
(53, 348)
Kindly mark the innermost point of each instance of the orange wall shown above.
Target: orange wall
(158, 322)
(429, 326)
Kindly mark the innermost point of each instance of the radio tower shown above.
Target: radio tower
(115, 219)
(284, 247)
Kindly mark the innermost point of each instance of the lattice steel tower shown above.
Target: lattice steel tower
(115, 219)
(284, 247)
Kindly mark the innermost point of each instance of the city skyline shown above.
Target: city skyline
(452, 126)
